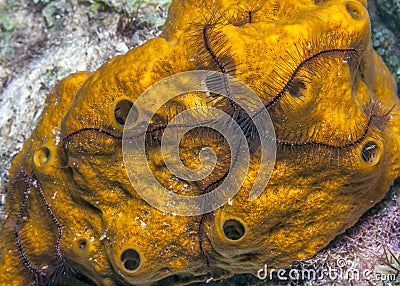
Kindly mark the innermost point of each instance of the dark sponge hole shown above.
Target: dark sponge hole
(233, 229)
(122, 110)
(42, 156)
(369, 152)
(130, 259)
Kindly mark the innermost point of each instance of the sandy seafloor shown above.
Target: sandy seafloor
(43, 41)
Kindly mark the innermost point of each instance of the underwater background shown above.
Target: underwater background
(43, 41)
